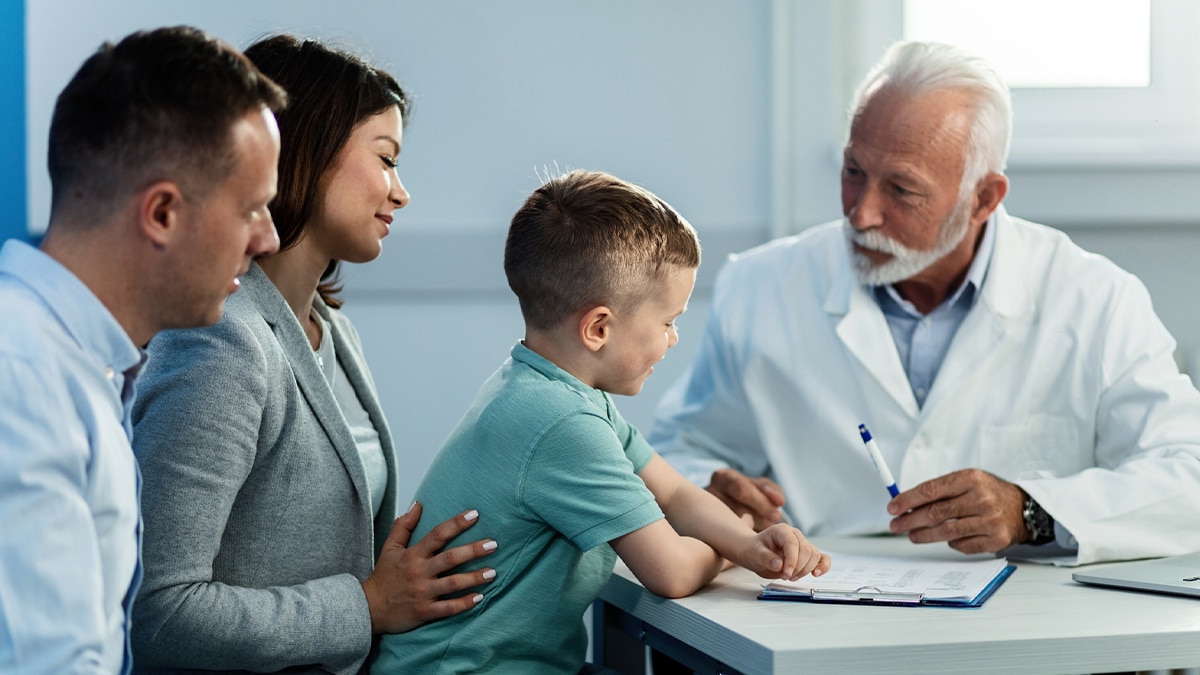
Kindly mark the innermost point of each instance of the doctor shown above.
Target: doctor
(1022, 390)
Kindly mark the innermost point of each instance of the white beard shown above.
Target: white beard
(905, 262)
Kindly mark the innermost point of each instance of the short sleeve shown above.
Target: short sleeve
(580, 480)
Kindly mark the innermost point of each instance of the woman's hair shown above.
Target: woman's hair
(914, 68)
(330, 92)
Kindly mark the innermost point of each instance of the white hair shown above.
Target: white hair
(915, 68)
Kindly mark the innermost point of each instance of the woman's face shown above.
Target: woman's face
(360, 191)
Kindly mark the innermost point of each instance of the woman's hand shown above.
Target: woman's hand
(406, 590)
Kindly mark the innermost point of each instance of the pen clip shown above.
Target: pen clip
(867, 594)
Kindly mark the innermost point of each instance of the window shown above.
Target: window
(1096, 83)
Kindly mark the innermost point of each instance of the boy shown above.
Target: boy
(602, 269)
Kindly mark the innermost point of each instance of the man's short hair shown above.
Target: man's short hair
(158, 105)
(915, 68)
(587, 239)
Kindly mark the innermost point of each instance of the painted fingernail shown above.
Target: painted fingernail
(471, 515)
(490, 545)
(478, 598)
(489, 574)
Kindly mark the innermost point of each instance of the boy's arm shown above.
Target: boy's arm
(666, 563)
(780, 551)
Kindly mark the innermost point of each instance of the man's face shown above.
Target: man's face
(229, 227)
(901, 174)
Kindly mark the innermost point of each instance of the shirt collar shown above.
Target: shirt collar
(971, 283)
(541, 364)
(82, 315)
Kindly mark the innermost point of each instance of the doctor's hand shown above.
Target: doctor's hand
(407, 589)
(971, 509)
(759, 497)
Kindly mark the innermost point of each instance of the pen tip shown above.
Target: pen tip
(862, 431)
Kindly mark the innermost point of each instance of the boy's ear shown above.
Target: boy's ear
(595, 326)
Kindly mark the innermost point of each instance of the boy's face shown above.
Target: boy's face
(641, 338)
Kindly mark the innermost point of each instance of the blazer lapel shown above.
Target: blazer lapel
(349, 356)
(309, 377)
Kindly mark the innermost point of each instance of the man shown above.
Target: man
(163, 152)
(1022, 390)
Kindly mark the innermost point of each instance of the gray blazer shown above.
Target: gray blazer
(258, 527)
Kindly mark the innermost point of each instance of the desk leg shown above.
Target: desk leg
(619, 642)
(612, 646)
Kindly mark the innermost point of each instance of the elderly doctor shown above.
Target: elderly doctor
(1022, 390)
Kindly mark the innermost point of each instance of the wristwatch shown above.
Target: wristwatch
(1039, 523)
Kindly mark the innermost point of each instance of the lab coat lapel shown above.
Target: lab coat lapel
(1002, 311)
(864, 331)
(309, 377)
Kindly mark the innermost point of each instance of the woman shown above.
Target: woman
(269, 475)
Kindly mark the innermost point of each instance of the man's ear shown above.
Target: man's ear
(990, 191)
(160, 211)
(595, 327)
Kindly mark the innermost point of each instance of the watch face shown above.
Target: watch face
(1038, 522)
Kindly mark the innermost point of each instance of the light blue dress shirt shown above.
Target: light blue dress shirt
(923, 339)
(70, 528)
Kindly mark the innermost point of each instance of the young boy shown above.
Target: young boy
(602, 269)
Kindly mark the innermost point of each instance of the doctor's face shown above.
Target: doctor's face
(901, 176)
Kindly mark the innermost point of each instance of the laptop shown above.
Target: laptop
(1179, 575)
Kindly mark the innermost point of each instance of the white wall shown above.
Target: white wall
(682, 96)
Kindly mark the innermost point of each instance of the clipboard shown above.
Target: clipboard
(897, 582)
(870, 595)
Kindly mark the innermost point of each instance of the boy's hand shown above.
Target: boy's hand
(782, 552)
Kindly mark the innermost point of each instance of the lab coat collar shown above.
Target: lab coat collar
(863, 327)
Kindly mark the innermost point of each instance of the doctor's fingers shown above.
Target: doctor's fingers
(986, 532)
(743, 495)
(988, 498)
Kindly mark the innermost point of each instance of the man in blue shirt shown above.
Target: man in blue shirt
(163, 152)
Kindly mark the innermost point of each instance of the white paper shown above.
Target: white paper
(935, 579)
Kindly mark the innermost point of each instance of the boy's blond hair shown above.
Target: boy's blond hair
(587, 239)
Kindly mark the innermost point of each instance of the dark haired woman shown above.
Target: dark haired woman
(269, 474)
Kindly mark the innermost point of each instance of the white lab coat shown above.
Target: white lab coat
(1060, 379)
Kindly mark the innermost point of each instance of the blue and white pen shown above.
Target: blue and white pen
(877, 459)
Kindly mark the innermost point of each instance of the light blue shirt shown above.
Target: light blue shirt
(70, 528)
(922, 340)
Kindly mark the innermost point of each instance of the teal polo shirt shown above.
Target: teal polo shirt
(551, 466)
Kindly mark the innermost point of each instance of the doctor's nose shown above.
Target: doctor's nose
(862, 206)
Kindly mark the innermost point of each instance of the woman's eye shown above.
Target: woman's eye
(391, 163)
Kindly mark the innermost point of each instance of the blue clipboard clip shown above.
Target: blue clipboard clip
(868, 594)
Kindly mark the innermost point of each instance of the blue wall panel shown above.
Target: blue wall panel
(12, 120)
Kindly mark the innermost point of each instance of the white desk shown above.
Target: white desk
(1038, 621)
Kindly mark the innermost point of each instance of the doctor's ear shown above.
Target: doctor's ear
(595, 327)
(990, 191)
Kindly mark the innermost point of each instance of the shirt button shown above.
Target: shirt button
(110, 373)
(920, 392)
